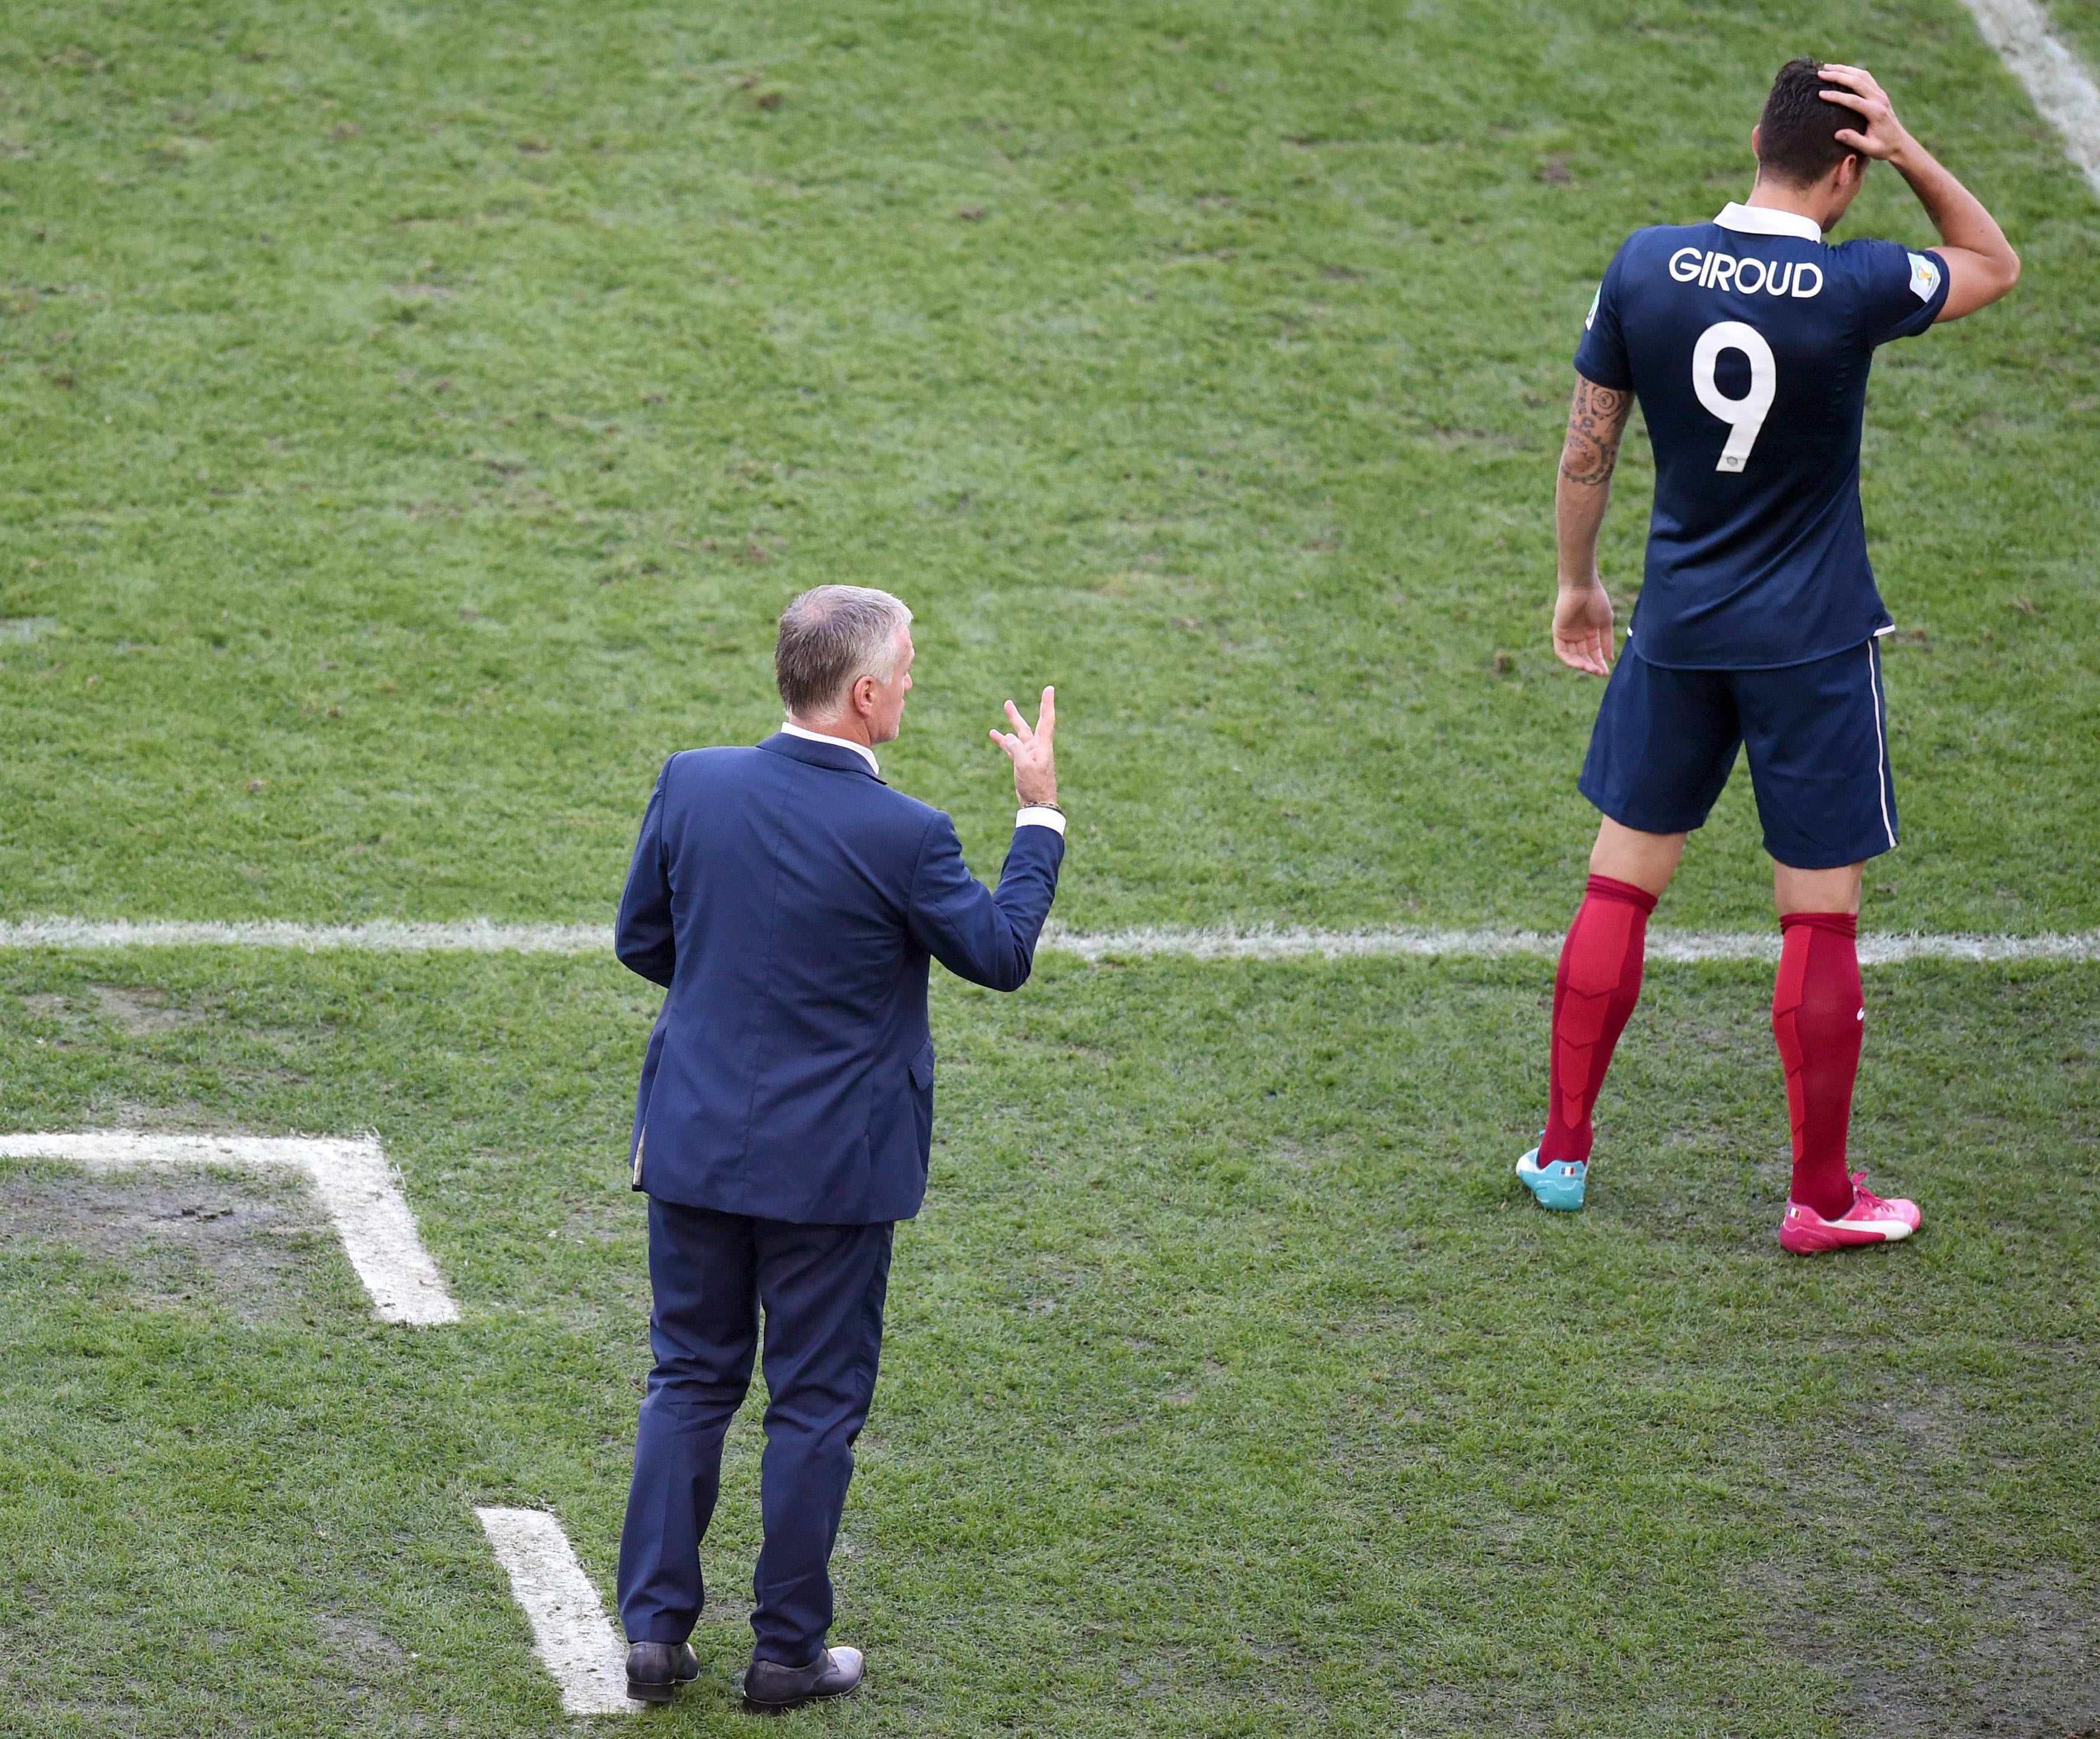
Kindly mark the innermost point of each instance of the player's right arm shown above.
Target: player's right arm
(1582, 613)
(1981, 264)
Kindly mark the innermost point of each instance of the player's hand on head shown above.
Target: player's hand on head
(1032, 750)
(1878, 134)
(1582, 630)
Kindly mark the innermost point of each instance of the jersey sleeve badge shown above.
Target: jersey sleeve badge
(1590, 319)
(1924, 276)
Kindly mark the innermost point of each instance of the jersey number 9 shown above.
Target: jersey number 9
(1745, 416)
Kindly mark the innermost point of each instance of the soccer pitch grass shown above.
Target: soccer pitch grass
(416, 417)
(1225, 1392)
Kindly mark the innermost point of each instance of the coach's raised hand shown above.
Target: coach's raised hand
(1033, 752)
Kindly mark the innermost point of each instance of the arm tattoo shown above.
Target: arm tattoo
(1596, 419)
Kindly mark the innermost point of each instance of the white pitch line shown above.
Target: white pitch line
(472, 936)
(2055, 78)
(570, 1632)
(352, 1179)
(1227, 943)
(1283, 944)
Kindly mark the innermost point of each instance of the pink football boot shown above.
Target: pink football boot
(1868, 1220)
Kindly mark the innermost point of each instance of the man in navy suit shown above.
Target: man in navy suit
(789, 900)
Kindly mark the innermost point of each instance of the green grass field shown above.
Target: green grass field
(415, 416)
(1219, 1399)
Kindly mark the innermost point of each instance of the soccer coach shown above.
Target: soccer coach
(789, 900)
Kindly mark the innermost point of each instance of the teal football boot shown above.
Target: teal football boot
(1557, 1186)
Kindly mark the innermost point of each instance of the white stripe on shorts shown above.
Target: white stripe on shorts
(1880, 740)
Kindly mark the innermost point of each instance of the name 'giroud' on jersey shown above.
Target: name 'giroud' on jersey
(1801, 278)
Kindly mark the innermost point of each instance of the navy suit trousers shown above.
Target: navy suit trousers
(821, 1288)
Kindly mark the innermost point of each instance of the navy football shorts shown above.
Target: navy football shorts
(1664, 743)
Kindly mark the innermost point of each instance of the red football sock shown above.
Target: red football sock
(1594, 994)
(1817, 1018)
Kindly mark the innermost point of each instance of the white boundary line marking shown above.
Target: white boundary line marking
(1279, 944)
(1225, 943)
(2056, 81)
(352, 1179)
(471, 936)
(569, 1631)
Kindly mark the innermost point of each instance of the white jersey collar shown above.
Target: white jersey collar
(793, 730)
(1762, 220)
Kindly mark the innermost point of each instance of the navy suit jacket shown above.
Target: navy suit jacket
(789, 900)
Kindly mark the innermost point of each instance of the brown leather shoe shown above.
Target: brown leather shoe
(770, 1688)
(655, 1670)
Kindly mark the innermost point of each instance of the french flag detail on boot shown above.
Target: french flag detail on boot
(1559, 1184)
(1870, 1220)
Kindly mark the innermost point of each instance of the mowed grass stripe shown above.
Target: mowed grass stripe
(1224, 943)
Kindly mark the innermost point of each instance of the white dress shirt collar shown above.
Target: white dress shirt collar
(1762, 220)
(793, 730)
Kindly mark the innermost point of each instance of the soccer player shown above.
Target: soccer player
(1747, 342)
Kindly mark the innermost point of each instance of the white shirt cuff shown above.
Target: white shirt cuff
(1037, 815)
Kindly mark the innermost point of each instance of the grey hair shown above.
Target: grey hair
(830, 636)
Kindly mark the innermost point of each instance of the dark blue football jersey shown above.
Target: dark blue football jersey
(1747, 342)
